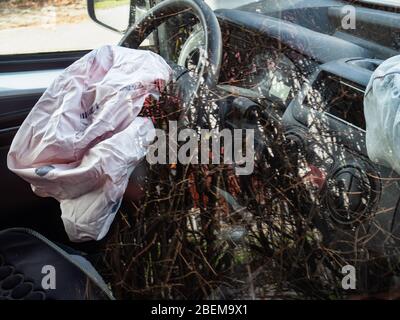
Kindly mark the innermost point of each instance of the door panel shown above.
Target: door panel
(39, 61)
(19, 206)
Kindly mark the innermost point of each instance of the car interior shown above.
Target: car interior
(296, 64)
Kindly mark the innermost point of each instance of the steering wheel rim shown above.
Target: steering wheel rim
(170, 8)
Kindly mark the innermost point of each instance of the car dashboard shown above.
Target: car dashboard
(289, 65)
(317, 97)
(269, 72)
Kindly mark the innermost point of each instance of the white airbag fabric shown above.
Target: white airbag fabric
(82, 140)
(382, 114)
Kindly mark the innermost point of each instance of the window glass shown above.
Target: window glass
(32, 26)
(386, 2)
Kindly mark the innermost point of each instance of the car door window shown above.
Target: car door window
(33, 26)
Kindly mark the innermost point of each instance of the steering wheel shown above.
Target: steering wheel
(210, 58)
(209, 63)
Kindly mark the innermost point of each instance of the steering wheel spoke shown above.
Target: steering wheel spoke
(210, 62)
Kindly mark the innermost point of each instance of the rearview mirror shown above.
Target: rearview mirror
(112, 14)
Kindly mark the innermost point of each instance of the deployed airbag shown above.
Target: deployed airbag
(382, 114)
(83, 139)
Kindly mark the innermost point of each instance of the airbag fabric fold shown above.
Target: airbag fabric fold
(83, 139)
(382, 114)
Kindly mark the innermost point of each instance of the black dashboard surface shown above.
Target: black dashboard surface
(272, 48)
(319, 46)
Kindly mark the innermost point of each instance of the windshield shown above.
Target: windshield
(386, 2)
(231, 4)
(227, 4)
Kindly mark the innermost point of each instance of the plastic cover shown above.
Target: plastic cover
(382, 114)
